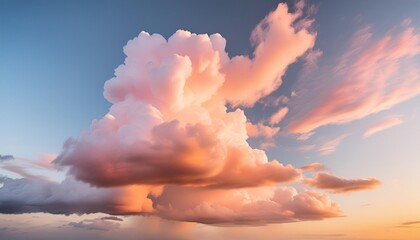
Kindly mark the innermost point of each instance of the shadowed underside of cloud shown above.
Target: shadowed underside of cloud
(336, 184)
(112, 218)
(100, 224)
(190, 155)
(246, 206)
(371, 76)
(72, 196)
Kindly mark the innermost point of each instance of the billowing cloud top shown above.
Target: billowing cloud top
(169, 123)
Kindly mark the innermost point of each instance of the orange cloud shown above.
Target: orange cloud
(336, 184)
(244, 206)
(259, 129)
(382, 125)
(254, 206)
(279, 115)
(279, 39)
(313, 167)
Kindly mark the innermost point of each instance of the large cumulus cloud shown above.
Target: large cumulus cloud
(174, 142)
(169, 123)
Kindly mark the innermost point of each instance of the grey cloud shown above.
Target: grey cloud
(70, 196)
(6, 158)
(96, 224)
(113, 218)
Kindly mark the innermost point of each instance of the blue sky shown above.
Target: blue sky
(56, 56)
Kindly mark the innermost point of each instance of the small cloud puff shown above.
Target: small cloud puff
(336, 184)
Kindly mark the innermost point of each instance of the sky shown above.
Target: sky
(209, 119)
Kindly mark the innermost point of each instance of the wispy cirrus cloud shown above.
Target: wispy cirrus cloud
(382, 125)
(30, 168)
(305, 136)
(374, 74)
(329, 146)
(411, 224)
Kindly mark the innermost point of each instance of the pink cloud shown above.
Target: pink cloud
(279, 115)
(256, 206)
(259, 129)
(267, 144)
(31, 168)
(382, 125)
(330, 146)
(23, 172)
(279, 39)
(313, 167)
(169, 122)
(190, 155)
(306, 148)
(305, 136)
(312, 57)
(371, 76)
(336, 184)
